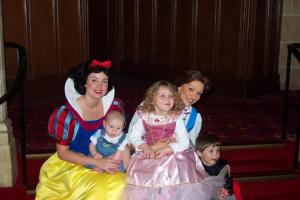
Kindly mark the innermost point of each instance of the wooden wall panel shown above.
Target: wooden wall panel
(235, 42)
(204, 41)
(228, 36)
(15, 17)
(115, 31)
(98, 22)
(164, 27)
(43, 37)
(53, 33)
(183, 20)
(130, 26)
(146, 29)
(69, 51)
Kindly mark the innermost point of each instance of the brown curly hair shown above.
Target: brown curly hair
(151, 92)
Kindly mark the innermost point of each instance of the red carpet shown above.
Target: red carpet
(272, 190)
(261, 159)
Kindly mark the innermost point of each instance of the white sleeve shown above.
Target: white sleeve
(95, 136)
(124, 143)
(137, 133)
(193, 134)
(132, 122)
(182, 138)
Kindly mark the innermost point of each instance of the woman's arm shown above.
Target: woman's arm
(107, 164)
(94, 153)
(182, 139)
(193, 134)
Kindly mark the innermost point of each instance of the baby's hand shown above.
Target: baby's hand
(98, 156)
(117, 156)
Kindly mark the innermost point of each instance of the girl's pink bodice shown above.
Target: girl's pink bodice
(156, 132)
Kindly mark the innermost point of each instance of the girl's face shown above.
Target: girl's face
(191, 92)
(113, 127)
(210, 155)
(96, 85)
(163, 101)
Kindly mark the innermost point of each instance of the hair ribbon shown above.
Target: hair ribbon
(104, 64)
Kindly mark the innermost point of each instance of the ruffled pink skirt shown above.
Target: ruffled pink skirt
(180, 176)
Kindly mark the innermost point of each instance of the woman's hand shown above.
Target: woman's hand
(126, 156)
(108, 164)
(163, 152)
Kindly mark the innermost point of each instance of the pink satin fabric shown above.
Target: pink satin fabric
(180, 176)
(175, 169)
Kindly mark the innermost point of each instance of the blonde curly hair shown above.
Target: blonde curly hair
(148, 103)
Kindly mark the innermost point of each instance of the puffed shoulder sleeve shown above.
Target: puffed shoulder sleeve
(62, 126)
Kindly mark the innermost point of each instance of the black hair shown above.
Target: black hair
(80, 73)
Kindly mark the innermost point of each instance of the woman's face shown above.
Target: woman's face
(191, 92)
(96, 85)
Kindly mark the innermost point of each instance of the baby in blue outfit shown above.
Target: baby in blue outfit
(109, 141)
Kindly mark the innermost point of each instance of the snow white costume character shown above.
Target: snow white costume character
(90, 96)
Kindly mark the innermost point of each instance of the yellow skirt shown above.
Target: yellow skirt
(63, 180)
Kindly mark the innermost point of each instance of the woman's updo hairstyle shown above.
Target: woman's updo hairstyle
(80, 73)
(193, 75)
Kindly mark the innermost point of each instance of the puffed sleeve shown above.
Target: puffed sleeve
(137, 134)
(62, 126)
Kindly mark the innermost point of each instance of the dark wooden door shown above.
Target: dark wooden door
(53, 32)
(236, 42)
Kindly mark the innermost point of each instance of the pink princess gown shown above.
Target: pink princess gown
(179, 176)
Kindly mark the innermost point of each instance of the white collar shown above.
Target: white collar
(72, 95)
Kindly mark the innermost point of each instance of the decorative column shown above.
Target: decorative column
(8, 157)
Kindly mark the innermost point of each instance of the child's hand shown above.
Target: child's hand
(223, 193)
(148, 152)
(163, 152)
(162, 143)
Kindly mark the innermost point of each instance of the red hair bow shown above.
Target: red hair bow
(104, 64)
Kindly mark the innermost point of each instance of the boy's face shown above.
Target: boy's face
(113, 127)
(210, 155)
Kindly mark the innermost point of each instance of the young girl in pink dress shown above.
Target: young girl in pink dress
(169, 172)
